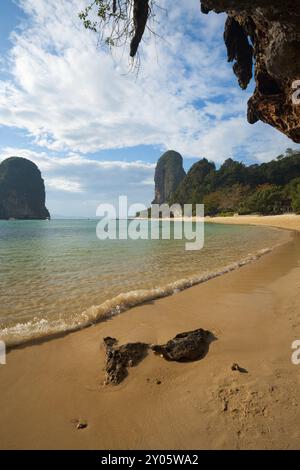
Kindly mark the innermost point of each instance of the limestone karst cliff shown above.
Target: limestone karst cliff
(22, 190)
(169, 173)
(267, 188)
(262, 39)
(264, 35)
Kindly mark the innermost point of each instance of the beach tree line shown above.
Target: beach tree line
(267, 188)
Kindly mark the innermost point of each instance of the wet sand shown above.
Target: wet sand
(255, 314)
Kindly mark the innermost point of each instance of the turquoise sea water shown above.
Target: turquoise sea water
(56, 275)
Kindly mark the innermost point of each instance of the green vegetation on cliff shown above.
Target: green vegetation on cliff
(269, 188)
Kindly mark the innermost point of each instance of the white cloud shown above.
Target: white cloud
(63, 184)
(76, 185)
(73, 98)
(70, 95)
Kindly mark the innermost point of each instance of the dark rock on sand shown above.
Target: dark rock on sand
(188, 346)
(119, 358)
(185, 347)
(236, 367)
(82, 424)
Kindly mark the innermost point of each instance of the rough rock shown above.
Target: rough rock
(119, 358)
(239, 50)
(188, 346)
(270, 30)
(169, 173)
(82, 424)
(22, 190)
(192, 187)
(236, 367)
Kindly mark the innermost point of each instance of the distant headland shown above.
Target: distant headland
(22, 190)
(233, 188)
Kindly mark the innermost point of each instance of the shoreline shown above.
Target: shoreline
(123, 302)
(285, 221)
(141, 297)
(253, 312)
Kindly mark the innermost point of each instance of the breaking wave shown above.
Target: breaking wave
(39, 328)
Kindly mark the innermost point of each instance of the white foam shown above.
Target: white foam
(43, 328)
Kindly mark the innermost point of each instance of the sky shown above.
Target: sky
(94, 126)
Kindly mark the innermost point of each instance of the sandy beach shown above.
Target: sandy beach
(286, 221)
(254, 313)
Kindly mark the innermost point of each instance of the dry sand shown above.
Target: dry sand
(255, 314)
(287, 221)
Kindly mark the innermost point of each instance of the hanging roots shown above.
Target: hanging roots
(140, 16)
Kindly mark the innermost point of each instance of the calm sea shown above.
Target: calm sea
(57, 276)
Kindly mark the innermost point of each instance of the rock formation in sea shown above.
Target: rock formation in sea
(22, 190)
(265, 33)
(169, 173)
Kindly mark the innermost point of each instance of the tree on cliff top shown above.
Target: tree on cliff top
(119, 21)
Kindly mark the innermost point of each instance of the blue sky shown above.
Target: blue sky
(94, 128)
